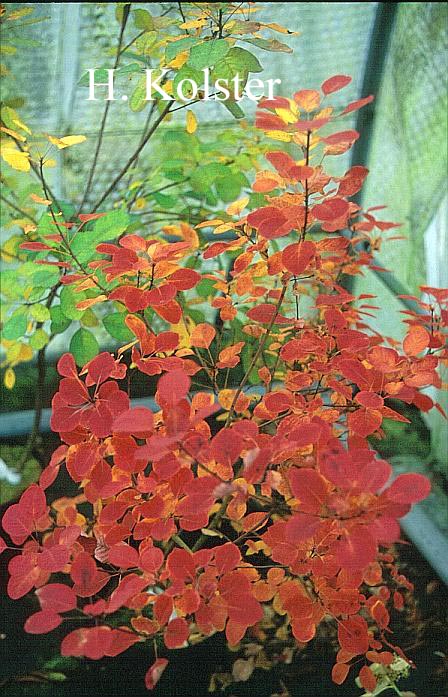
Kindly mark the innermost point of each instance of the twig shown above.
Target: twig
(256, 355)
(132, 159)
(18, 210)
(126, 10)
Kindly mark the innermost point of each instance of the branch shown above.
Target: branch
(99, 142)
(258, 352)
(18, 210)
(132, 159)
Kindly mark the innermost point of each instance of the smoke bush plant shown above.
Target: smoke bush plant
(225, 502)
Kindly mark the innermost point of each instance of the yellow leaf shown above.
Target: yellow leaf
(179, 60)
(84, 304)
(192, 123)
(13, 134)
(49, 163)
(21, 125)
(66, 141)
(29, 227)
(9, 378)
(281, 30)
(238, 206)
(39, 199)
(209, 223)
(17, 159)
(194, 23)
(286, 115)
(279, 135)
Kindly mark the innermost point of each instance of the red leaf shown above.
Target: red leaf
(367, 679)
(226, 447)
(57, 597)
(353, 635)
(101, 367)
(16, 524)
(138, 420)
(354, 106)
(172, 388)
(161, 295)
(264, 312)
(154, 673)
(309, 487)
(369, 399)
(42, 622)
(151, 559)
(123, 555)
(364, 422)
(409, 488)
(227, 557)
(128, 587)
(34, 246)
(356, 550)
(335, 83)
(176, 633)
(331, 209)
(416, 340)
(135, 299)
(301, 526)
(339, 673)
(91, 642)
(296, 257)
(163, 607)
(184, 279)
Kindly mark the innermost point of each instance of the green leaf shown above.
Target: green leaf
(205, 288)
(237, 61)
(40, 313)
(83, 346)
(69, 299)
(59, 322)
(39, 339)
(228, 188)
(137, 101)
(204, 176)
(109, 227)
(16, 325)
(143, 20)
(175, 47)
(114, 324)
(208, 53)
(89, 318)
(187, 73)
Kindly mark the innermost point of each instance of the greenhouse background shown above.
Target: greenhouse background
(397, 51)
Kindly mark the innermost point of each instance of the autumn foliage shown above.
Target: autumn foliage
(194, 518)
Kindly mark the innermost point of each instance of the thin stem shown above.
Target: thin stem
(132, 159)
(18, 210)
(256, 355)
(126, 10)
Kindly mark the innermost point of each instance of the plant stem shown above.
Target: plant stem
(18, 210)
(99, 142)
(259, 350)
(132, 159)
